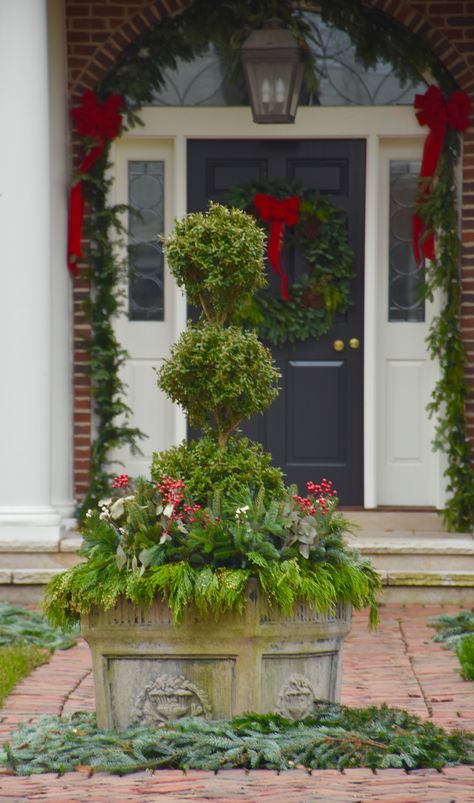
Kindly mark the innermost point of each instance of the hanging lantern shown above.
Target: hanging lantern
(273, 66)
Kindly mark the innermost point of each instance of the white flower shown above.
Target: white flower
(241, 512)
(89, 513)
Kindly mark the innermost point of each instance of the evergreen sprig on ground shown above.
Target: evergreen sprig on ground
(339, 737)
(457, 632)
(20, 626)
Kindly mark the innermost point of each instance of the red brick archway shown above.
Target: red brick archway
(98, 32)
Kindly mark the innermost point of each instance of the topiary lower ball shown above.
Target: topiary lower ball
(237, 471)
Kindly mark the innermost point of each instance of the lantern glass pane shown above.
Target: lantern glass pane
(270, 84)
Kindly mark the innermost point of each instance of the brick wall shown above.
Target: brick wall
(98, 31)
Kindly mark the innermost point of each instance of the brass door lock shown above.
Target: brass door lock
(338, 345)
(354, 343)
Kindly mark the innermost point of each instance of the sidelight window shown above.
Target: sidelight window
(406, 278)
(145, 224)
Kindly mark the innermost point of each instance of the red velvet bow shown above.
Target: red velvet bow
(278, 214)
(438, 114)
(100, 122)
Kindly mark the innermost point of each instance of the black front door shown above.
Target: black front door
(314, 429)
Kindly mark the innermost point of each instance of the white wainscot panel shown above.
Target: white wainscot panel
(153, 414)
(404, 408)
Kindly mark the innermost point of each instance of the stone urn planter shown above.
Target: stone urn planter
(214, 529)
(149, 670)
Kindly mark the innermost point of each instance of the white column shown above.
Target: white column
(25, 278)
(62, 351)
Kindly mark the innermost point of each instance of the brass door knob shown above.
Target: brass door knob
(338, 345)
(354, 343)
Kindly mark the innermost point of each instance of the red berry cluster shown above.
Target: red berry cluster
(323, 498)
(323, 494)
(306, 505)
(121, 481)
(171, 492)
(324, 489)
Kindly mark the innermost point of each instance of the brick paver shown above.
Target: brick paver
(400, 665)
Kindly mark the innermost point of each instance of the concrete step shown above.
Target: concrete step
(418, 560)
(27, 565)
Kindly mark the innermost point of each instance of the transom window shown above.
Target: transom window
(343, 80)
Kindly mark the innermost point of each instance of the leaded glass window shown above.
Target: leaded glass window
(146, 223)
(406, 278)
(342, 79)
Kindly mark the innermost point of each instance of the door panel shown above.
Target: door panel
(314, 428)
(407, 468)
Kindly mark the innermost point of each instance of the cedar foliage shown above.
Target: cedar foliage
(212, 590)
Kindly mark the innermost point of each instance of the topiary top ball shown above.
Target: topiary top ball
(218, 258)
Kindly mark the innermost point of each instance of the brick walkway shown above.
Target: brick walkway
(400, 665)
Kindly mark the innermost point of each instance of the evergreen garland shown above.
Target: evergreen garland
(336, 738)
(106, 355)
(438, 208)
(136, 75)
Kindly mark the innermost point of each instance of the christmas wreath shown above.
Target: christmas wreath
(297, 217)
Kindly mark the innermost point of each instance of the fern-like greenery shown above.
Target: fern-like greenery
(212, 590)
(336, 738)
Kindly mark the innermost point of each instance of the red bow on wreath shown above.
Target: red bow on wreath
(99, 122)
(278, 214)
(438, 114)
